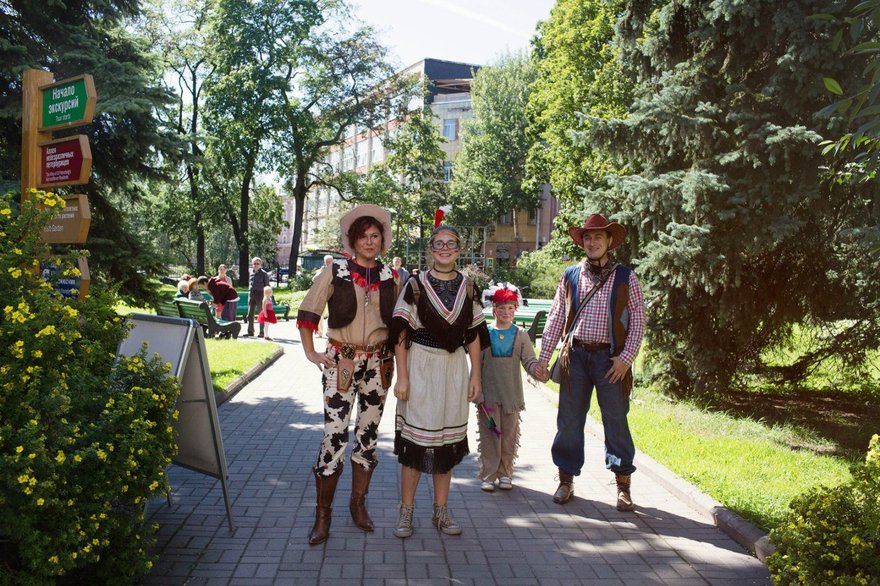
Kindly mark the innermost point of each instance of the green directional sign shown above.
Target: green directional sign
(68, 103)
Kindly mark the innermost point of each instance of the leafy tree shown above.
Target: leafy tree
(76, 37)
(338, 77)
(179, 29)
(859, 146)
(577, 72)
(267, 219)
(490, 168)
(254, 47)
(736, 234)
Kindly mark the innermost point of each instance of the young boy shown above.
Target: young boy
(499, 413)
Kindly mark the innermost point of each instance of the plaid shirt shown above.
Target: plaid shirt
(592, 325)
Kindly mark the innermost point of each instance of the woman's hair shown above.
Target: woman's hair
(221, 268)
(361, 225)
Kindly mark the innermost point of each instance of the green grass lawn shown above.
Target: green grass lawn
(752, 467)
(230, 359)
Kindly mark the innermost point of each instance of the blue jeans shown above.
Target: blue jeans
(587, 372)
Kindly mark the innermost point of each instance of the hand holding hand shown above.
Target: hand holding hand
(542, 372)
(617, 371)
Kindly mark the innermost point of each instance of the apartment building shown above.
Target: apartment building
(448, 95)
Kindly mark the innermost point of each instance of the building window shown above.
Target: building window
(447, 171)
(450, 128)
(505, 219)
(533, 216)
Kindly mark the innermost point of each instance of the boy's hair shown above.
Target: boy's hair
(203, 280)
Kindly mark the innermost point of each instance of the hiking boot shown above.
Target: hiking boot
(624, 499)
(404, 524)
(565, 490)
(443, 521)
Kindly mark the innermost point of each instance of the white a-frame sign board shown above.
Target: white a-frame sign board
(181, 342)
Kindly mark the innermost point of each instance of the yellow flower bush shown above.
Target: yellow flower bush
(84, 438)
(832, 535)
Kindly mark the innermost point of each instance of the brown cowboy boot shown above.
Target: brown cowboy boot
(360, 485)
(326, 488)
(565, 490)
(624, 500)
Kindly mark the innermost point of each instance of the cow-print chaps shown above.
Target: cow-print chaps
(367, 388)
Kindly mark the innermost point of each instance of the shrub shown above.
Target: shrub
(84, 438)
(538, 273)
(302, 280)
(832, 535)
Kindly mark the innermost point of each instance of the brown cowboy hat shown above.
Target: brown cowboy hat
(598, 222)
(367, 209)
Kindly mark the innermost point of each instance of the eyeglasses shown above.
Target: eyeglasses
(441, 244)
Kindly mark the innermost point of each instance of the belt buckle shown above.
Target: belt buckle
(348, 351)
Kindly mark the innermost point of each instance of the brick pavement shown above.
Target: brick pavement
(271, 432)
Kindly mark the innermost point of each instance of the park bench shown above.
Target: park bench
(281, 309)
(201, 313)
(168, 308)
(537, 326)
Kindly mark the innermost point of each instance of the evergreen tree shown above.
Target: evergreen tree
(737, 232)
(74, 37)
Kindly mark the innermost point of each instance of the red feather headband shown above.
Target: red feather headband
(502, 295)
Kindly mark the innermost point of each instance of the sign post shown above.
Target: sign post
(46, 163)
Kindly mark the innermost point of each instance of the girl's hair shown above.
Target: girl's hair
(361, 225)
(193, 284)
(267, 290)
(444, 228)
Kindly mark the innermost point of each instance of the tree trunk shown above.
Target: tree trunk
(244, 262)
(299, 196)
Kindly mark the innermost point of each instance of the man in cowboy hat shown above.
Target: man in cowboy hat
(603, 340)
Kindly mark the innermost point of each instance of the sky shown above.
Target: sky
(469, 31)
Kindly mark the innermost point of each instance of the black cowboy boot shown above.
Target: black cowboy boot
(326, 488)
(360, 485)
(565, 490)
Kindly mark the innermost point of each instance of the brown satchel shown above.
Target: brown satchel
(561, 369)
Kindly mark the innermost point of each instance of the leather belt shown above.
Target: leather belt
(590, 346)
(349, 350)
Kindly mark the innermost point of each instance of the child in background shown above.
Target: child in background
(499, 414)
(267, 313)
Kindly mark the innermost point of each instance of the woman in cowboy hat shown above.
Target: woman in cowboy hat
(599, 310)
(359, 293)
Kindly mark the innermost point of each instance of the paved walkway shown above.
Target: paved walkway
(271, 431)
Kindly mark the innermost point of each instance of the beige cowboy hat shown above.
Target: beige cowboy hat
(367, 209)
(598, 222)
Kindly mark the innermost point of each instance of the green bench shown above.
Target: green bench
(201, 313)
(536, 329)
(281, 309)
